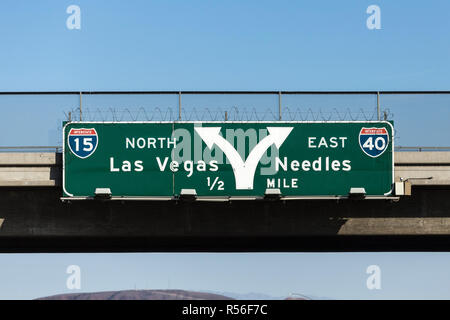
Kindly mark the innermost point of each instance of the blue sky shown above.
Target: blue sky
(226, 45)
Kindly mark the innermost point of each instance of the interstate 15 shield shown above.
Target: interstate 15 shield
(373, 141)
(82, 142)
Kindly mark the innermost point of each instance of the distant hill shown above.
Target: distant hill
(139, 295)
(247, 296)
(263, 296)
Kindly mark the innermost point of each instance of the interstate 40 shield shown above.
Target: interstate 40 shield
(227, 159)
(374, 141)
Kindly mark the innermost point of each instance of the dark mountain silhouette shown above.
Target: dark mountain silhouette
(139, 295)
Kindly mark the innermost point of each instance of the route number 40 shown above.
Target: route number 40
(379, 144)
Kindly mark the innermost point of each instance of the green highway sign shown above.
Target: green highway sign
(227, 159)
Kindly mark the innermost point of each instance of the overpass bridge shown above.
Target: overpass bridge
(34, 219)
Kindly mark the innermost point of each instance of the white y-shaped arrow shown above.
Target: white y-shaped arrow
(244, 172)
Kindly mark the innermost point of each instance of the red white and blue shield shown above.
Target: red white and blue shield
(82, 141)
(373, 141)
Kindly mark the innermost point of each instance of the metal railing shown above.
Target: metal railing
(31, 149)
(271, 105)
(179, 94)
(59, 149)
(420, 149)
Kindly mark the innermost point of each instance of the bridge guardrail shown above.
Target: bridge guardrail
(31, 149)
(420, 148)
